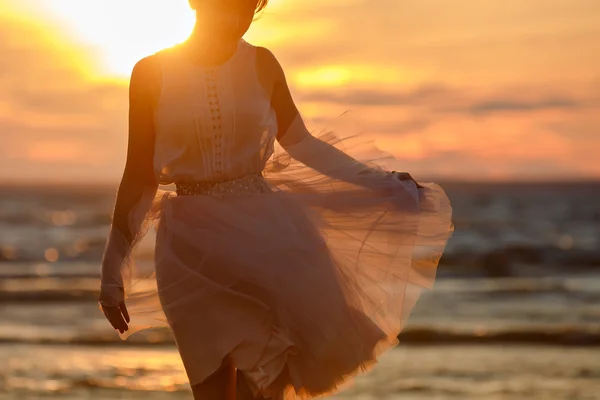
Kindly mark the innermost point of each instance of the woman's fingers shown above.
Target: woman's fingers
(115, 317)
(405, 176)
(124, 311)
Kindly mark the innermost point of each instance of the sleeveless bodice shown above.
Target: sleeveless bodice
(212, 124)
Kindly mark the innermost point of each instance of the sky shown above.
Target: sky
(460, 90)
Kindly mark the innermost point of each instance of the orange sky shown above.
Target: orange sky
(467, 89)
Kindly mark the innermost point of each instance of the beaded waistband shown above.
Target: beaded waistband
(249, 184)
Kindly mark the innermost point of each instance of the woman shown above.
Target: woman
(280, 277)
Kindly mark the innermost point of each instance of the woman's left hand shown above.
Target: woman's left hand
(112, 304)
(405, 176)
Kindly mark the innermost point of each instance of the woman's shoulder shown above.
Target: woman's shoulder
(267, 57)
(146, 64)
(267, 64)
(146, 77)
(152, 63)
(146, 69)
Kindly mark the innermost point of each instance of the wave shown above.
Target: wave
(506, 261)
(84, 287)
(564, 336)
(52, 289)
(558, 335)
(561, 311)
(519, 260)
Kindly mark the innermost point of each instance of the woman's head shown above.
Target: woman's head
(230, 18)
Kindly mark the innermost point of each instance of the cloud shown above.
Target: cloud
(371, 97)
(52, 117)
(499, 105)
(469, 43)
(444, 99)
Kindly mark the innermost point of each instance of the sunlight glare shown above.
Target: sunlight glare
(355, 74)
(123, 32)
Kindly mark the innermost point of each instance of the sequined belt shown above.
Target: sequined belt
(249, 184)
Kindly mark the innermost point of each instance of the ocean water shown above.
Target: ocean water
(408, 373)
(515, 313)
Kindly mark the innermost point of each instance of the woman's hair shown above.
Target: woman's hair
(260, 5)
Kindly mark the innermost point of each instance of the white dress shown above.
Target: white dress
(298, 270)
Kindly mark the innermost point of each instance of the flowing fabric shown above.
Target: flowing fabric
(301, 284)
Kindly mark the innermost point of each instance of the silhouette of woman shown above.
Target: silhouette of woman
(281, 274)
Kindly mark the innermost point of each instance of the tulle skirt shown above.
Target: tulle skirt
(299, 287)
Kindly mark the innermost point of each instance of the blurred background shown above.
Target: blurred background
(497, 101)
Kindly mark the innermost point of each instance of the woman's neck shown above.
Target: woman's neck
(206, 47)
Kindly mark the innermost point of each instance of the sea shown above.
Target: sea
(514, 314)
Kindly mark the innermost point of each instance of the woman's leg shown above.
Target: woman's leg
(220, 385)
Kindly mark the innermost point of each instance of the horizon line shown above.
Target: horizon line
(442, 181)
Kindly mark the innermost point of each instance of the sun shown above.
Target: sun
(118, 33)
(122, 31)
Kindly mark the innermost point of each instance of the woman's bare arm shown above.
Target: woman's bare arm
(272, 78)
(137, 185)
(297, 140)
(291, 129)
(138, 175)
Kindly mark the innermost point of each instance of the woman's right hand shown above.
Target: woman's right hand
(405, 176)
(115, 311)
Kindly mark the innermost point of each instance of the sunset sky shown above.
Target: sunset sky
(462, 89)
